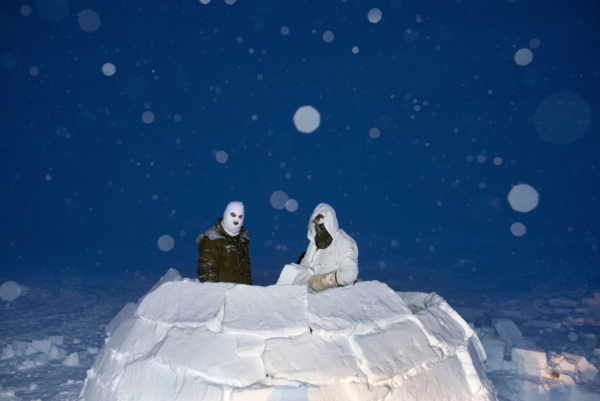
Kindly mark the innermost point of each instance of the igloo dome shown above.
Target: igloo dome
(194, 341)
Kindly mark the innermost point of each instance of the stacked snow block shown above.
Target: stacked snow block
(218, 341)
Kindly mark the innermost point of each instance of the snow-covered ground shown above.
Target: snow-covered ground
(549, 295)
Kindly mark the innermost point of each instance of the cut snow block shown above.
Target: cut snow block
(445, 380)
(442, 330)
(355, 309)
(170, 275)
(530, 362)
(271, 394)
(56, 353)
(274, 311)
(310, 358)
(42, 346)
(294, 274)
(393, 351)
(106, 371)
(583, 365)
(211, 355)
(125, 313)
(510, 334)
(150, 381)
(495, 354)
(249, 345)
(72, 360)
(137, 336)
(190, 304)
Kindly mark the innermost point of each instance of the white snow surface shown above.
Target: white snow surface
(215, 341)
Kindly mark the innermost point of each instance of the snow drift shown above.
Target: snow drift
(218, 341)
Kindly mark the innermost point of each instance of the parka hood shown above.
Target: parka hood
(330, 220)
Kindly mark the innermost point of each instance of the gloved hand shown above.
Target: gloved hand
(320, 282)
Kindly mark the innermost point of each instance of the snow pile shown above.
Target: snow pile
(522, 370)
(37, 352)
(217, 341)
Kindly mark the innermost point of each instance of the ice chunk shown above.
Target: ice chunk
(8, 352)
(356, 309)
(41, 346)
(150, 381)
(58, 340)
(397, 349)
(211, 355)
(20, 347)
(92, 350)
(495, 354)
(310, 358)
(510, 334)
(32, 361)
(170, 276)
(530, 362)
(293, 274)
(56, 353)
(190, 304)
(274, 311)
(583, 365)
(137, 336)
(72, 360)
(125, 313)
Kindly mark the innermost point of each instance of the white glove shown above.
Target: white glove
(320, 282)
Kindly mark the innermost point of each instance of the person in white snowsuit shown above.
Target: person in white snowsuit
(332, 255)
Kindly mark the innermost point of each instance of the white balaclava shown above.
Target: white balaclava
(229, 222)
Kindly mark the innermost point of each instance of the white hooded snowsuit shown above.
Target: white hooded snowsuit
(341, 255)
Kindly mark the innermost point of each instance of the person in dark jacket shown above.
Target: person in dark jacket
(223, 249)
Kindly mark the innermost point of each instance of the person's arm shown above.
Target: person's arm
(208, 266)
(346, 254)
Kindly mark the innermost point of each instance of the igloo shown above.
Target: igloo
(194, 341)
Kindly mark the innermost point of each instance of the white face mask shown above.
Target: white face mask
(233, 218)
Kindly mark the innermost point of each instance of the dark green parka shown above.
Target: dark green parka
(223, 258)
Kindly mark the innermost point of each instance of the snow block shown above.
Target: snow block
(211, 355)
(274, 311)
(191, 304)
(530, 362)
(137, 337)
(150, 381)
(583, 365)
(125, 313)
(42, 346)
(356, 309)
(294, 274)
(510, 334)
(495, 354)
(394, 351)
(310, 358)
(72, 360)
(170, 276)
(442, 381)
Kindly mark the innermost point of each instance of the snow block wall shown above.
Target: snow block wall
(215, 341)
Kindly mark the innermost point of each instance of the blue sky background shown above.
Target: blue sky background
(85, 181)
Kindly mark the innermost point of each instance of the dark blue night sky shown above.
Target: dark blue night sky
(86, 182)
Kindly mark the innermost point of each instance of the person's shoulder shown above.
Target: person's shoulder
(343, 237)
(211, 234)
